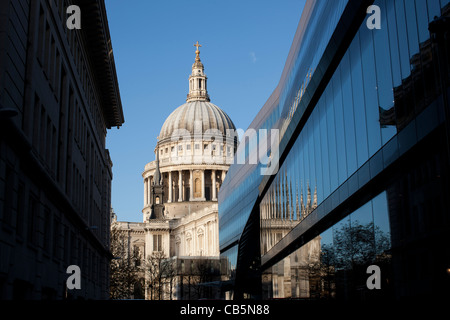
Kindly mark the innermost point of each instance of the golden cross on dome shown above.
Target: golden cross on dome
(197, 45)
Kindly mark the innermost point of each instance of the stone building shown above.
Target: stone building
(194, 149)
(59, 94)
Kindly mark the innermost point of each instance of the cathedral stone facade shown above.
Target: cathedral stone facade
(194, 150)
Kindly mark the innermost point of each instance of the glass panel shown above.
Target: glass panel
(370, 90)
(312, 161)
(422, 20)
(346, 249)
(228, 268)
(331, 138)
(411, 25)
(413, 41)
(295, 276)
(403, 94)
(393, 43)
(306, 155)
(358, 102)
(402, 38)
(381, 214)
(339, 121)
(349, 121)
(317, 155)
(384, 79)
(324, 147)
(297, 180)
(304, 167)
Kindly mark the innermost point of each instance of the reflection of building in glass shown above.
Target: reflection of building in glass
(180, 222)
(294, 275)
(370, 129)
(279, 217)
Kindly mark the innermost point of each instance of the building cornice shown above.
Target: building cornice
(95, 31)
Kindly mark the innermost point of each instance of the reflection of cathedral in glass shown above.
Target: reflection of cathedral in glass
(364, 148)
(281, 211)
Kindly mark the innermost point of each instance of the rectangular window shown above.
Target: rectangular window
(180, 148)
(66, 240)
(52, 64)
(8, 194)
(41, 34)
(188, 147)
(56, 238)
(43, 134)
(33, 216)
(36, 122)
(48, 143)
(47, 229)
(47, 43)
(157, 242)
(197, 146)
(20, 209)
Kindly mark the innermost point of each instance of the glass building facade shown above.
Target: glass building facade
(363, 176)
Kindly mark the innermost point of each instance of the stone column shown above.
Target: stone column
(170, 187)
(180, 186)
(213, 177)
(149, 190)
(145, 192)
(203, 185)
(223, 175)
(191, 185)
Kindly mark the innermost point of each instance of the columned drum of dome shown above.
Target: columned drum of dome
(195, 148)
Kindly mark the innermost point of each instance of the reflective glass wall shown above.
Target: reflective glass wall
(385, 95)
(238, 194)
(334, 264)
(358, 113)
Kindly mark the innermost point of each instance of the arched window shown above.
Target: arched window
(188, 244)
(198, 186)
(200, 238)
(177, 246)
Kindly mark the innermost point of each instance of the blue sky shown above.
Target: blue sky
(244, 47)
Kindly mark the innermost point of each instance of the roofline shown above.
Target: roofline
(95, 31)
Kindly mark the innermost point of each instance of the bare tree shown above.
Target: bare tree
(358, 244)
(161, 272)
(124, 267)
(355, 246)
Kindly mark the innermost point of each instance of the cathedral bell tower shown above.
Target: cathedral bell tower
(197, 80)
(157, 193)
